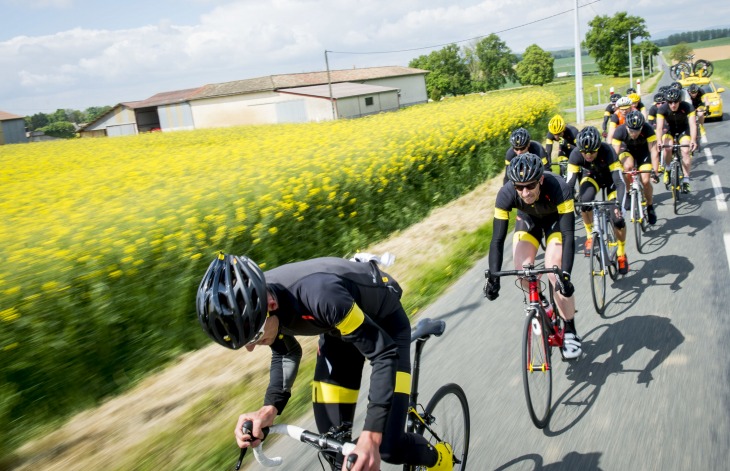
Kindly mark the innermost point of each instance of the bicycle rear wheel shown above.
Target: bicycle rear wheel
(611, 250)
(704, 68)
(537, 374)
(598, 276)
(447, 419)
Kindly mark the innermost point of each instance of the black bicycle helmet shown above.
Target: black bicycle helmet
(232, 301)
(659, 98)
(673, 94)
(525, 168)
(588, 140)
(663, 88)
(634, 120)
(520, 138)
(630, 90)
(675, 85)
(694, 88)
(615, 97)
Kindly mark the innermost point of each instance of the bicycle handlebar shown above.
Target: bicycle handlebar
(599, 203)
(321, 442)
(526, 271)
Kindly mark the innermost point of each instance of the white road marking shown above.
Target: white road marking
(708, 156)
(719, 195)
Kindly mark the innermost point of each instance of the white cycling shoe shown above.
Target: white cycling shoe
(571, 346)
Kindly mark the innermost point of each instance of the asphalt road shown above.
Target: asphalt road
(652, 390)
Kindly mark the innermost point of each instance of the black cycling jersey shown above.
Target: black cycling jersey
(651, 115)
(610, 110)
(336, 297)
(553, 206)
(605, 169)
(639, 147)
(566, 142)
(533, 148)
(697, 100)
(677, 121)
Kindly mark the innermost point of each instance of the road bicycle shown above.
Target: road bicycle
(676, 173)
(445, 418)
(638, 205)
(604, 259)
(543, 330)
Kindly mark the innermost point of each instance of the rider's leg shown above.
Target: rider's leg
(554, 257)
(627, 160)
(686, 157)
(647, 184)
(524, 251)
(588, 190)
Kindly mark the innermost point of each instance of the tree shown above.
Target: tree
(95, 111)
(536, 67)
(680, 52)
(648, 50)
(495, 65)
(608, 40)
(37, 121)
(62, 129)
(448, 74)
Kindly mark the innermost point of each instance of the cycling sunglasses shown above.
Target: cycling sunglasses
(530, 186)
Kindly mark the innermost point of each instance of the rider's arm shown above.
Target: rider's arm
(566, 221)
(286, 354)
(334, 305)
(618, 181)
(573, 167)
(500, 225)
(549, 144)
(547, 160)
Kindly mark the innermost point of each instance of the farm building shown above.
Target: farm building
(12, 129)
(288, 98)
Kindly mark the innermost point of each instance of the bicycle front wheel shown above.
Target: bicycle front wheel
(447, 419)
(676, 190)
(598, 276)
(704, 68)
(636, 216)
(537, 371)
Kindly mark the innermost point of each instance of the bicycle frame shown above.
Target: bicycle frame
(676, 172)
(600, 224)
(638, 204)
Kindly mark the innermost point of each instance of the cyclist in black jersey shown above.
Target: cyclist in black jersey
(563, 134)
(697, 95)
(680, 120)
(637, 104)
(544, 204)
(601, 169)
(610, 110)
(522, 143)
(635, 143)
(355, 310)
(651, 114)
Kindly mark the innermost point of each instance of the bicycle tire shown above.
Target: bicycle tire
(636, 216)
(447, 414)
(598, 277)
(612, 251)
(537, 373)
(683, 70)
(674, 182)
(704, 68)
(673, 72)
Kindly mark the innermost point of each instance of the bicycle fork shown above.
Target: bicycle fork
(637, 203)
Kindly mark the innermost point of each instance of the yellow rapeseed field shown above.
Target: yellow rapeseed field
(94, 230)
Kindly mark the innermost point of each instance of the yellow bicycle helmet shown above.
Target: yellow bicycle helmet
(635, 98)
(556, 124)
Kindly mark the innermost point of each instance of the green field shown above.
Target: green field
(567, 64)
(701, 44)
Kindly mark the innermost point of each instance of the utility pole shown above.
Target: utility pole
(631, 64)
(329, 82)
(579, 109)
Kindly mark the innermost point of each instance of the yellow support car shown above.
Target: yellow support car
(712, 95)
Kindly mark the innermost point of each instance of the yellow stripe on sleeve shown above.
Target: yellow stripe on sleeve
(501, 214)
(616, 166)
(325, 393)
(566, 206)
(352, 320)
(403, 382)
(572, 168)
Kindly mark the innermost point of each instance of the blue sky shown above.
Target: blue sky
(81, 53)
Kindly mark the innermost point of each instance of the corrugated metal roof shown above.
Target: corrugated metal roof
(339, 90)
(166, 98)
(5, 116)
(275, 82)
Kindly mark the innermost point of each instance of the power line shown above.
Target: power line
(465, 40)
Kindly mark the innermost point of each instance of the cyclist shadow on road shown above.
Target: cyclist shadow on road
(665, 270)
(572, 460)
(607, 347)
(660, 234)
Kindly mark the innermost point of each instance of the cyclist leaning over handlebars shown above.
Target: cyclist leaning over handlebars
(544, 204)
(635, 143)
(623, 106)
(680, 119)
(601, 169)
(521, 143)
(355, 309)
